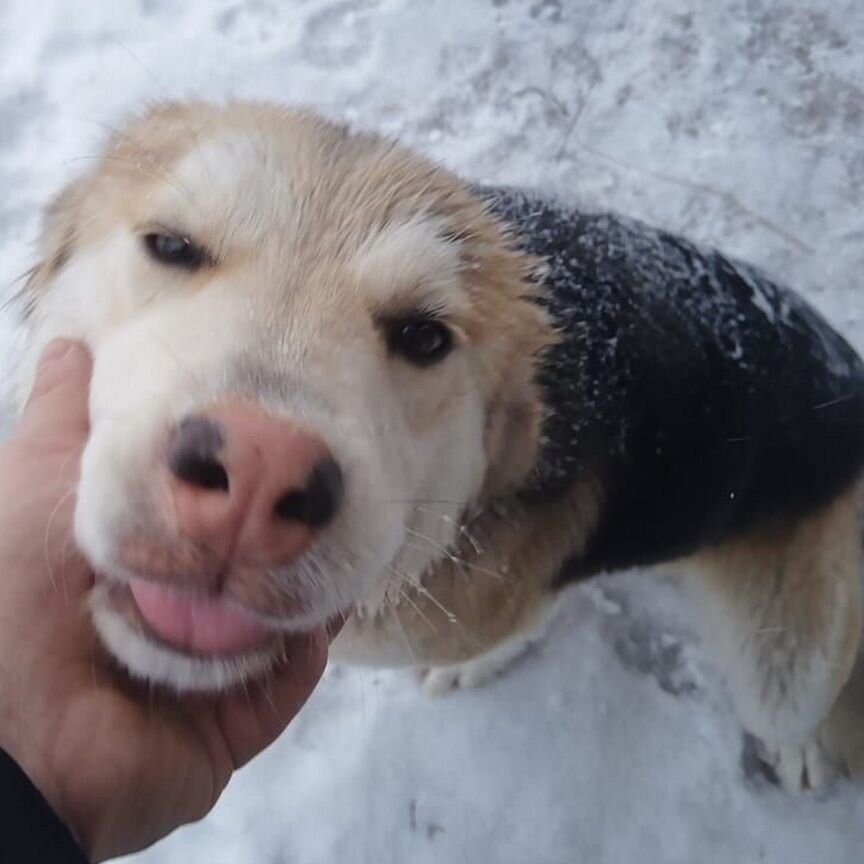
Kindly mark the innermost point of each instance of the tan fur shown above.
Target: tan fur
(494, 586)
(784, 612)
(842, 733)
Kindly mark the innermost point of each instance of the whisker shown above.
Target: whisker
(434, 543)
(150, 73)
(449, 614)
(405, 639)
(448, 555)
(418, 610)
(46, 541)
(194, 378)
(140, 167)
(420, 588)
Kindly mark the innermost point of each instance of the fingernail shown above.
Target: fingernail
(56, 350)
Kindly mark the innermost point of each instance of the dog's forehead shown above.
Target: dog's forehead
(413, 261)
(235, 181)
(253, 189)
(254, 183)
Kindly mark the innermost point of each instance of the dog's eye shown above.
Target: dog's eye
(173, 250)
(421, 341)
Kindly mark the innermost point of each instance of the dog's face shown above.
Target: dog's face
(313, 351)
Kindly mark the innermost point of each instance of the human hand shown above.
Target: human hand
(121, 767)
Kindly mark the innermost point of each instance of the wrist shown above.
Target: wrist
(35, 755)
(29, 826)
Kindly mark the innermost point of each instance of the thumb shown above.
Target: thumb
(58, 402)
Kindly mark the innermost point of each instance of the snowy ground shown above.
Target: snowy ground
(738, 122)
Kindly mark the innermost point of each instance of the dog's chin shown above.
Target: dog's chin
(148, 658)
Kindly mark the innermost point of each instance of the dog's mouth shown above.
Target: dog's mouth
(190, 622)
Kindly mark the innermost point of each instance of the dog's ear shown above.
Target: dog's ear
(513, 426)
(57, 240)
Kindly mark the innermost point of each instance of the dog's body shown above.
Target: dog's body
(697, 413)
(506, 396)
(685, 386)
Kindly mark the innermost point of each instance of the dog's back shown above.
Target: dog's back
(705, 399)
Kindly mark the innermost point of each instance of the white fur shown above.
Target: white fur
(782, 682)
(401, 257)
(163, 349)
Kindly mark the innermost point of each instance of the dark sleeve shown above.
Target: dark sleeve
(30, 831)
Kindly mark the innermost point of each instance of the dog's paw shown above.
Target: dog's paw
(478, 671)
(438, 681)
(804, 768)
(799, 767)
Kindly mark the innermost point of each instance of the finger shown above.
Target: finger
(58, 400)
(252, 720)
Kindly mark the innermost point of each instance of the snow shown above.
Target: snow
(738, 124)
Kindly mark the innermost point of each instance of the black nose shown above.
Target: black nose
(317, 502)
(193, 454)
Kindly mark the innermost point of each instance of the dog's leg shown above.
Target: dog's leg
(783, 611)
(842, 734)
(485, 667)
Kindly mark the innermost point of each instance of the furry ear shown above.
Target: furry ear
(513, 427)
(57, 240)
(57, 243)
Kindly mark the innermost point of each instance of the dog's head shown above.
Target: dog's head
(313, 351)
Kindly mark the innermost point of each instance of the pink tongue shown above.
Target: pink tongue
(205, 625)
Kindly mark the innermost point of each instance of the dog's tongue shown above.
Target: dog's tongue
(196, 623)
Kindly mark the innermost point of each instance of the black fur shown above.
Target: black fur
(703, 398)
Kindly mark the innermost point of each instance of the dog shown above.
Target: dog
(331, 375)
